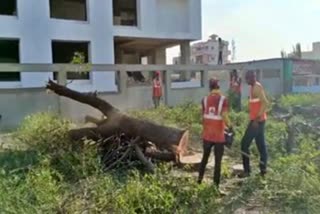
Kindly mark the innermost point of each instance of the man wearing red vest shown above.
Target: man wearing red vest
(215, 121)
(156, 89)
(257, 111)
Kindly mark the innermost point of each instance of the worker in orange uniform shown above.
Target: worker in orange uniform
(157, 89)
(235, 91)
(215, 121)
(257, 110)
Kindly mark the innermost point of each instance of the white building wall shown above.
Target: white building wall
(209, 50)
(166, 19)
(169, 10)
(35, 44)
(195, 20)
(101, 21)
(314, 54)
(36, 30)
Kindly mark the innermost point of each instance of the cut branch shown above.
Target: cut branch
(88, 98)
(143, 159)
(173, 140)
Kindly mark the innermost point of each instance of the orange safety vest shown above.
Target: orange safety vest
(213, 123)
(157, 89)
(255, 105)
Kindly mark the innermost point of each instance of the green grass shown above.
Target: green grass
(51, 176)
(54, 176)
(301, 99)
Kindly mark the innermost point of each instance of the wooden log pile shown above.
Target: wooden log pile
(123, 139)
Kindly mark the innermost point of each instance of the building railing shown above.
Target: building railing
(10, 67)
(168, 72)
(181, 83)
(174, 76)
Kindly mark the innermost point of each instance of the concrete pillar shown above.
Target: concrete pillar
(137, 58)
(118, 54)
(167, 88)
(185, 51)
(160, 56)
(151, 59)
(185, 58)
(204, 80)
(62, 101)
(157, 56)
(123, 86)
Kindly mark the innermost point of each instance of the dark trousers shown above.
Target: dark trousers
(257, 134)
(236, 102)
(156, 101)
(220, 58)
(218, 153)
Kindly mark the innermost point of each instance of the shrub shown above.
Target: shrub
(44, 132)
(36, 191)
(47, 134)
(294, 182)
(290, 100)
(276, 136)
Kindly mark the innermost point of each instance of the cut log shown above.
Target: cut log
(171, 139)
(162, 156)
(94, 120)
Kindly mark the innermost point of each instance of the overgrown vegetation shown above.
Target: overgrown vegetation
(50, 174)
(303, 100)
(55, 175)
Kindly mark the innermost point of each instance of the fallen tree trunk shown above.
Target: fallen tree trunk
(175, 141)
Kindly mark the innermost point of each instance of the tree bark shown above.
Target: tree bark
(171, 139)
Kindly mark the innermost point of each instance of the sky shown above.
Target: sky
(261, 28)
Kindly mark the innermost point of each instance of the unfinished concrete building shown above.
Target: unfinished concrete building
(106, 32)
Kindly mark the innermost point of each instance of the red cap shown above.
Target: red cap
(158, 73)
(214, 83)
